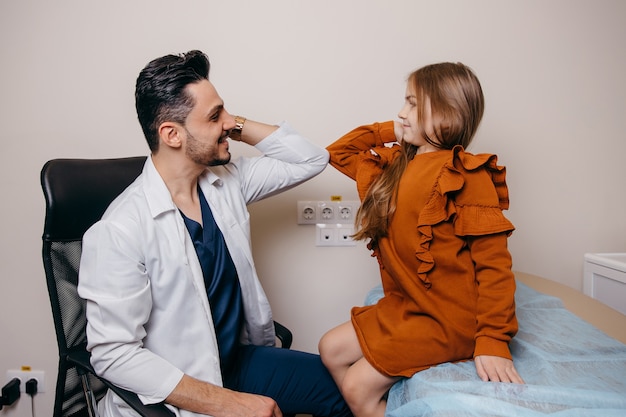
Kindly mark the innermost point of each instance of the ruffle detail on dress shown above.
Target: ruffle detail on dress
(482, 216)
(478, 221)
(371, 166)
(375, 253)
(498, 173)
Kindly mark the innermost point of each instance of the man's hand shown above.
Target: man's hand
(245, 405)
(204, 398)
(496, 369)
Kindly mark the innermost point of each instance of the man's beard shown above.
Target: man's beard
(219, 161)
(197, 153)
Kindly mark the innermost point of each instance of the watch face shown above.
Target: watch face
(239, 121)
(235, 133)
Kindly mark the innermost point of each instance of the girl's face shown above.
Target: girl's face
(410, 127)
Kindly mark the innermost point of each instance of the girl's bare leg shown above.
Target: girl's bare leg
(363, 389)
(339, 349)
(362, 386)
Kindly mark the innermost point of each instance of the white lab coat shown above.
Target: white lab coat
(149, 320)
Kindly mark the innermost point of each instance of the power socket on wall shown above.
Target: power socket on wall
(25, 375)
(327, 212)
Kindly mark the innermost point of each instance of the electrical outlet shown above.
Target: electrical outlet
(346, 211)
(307, 212)
(25, 375)
(334, 235)
(327, 212)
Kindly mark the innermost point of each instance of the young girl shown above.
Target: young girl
(433, 216)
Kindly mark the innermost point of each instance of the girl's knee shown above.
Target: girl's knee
(360, 401)
(326, 349)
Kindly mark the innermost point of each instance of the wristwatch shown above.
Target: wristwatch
(235, 132)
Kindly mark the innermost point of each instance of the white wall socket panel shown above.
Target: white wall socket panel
(24, 376)
(334, 235)
(327, 212)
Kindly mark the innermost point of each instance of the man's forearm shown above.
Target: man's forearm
(195, 395)
(204, 398)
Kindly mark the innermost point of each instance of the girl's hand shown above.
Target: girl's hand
(496, 369)
(398, 130)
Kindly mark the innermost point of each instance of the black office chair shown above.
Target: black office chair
(77, 192)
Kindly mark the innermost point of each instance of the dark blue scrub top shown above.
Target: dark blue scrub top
(221, 281)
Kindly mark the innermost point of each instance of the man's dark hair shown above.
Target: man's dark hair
(160, 94)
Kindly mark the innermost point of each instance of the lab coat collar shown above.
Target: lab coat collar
(158, 196)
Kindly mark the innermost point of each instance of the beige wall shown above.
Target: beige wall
(552, 71)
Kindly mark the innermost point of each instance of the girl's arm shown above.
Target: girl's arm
(496, 323)
(347, 152)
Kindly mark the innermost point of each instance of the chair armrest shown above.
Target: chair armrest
(283, 334)
(81, 358)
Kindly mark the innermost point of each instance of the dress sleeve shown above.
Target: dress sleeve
(364, 152)
(496, 323)
(471, 192)
(479, 217)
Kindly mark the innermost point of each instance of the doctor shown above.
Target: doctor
(175, 309)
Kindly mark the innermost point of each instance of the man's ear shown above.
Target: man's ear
(170, 134)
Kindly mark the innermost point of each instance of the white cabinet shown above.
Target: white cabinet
(605, 279)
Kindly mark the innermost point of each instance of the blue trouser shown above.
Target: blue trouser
(297, 381)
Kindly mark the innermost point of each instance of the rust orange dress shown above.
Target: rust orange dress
(444, 265)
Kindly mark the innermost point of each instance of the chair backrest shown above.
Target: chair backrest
(77, 192)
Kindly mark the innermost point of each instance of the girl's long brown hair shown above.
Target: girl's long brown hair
(457, 105)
